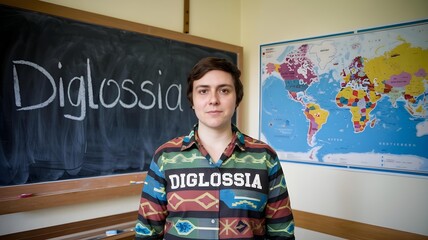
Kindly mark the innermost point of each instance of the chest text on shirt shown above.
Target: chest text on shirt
(187, 180)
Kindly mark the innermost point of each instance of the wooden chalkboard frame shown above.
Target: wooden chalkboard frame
(58, 193)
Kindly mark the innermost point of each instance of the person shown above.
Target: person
(216, 182)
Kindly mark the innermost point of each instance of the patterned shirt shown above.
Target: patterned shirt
(188, 196)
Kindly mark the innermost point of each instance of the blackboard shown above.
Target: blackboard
(82, 100)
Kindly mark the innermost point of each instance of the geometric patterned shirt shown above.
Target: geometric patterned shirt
(242, 196)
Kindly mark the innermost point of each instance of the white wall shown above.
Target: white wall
(392, 201)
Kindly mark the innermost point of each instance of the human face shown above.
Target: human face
(214, 99)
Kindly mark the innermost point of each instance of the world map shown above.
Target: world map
(355, 100)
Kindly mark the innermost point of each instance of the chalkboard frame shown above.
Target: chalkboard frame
(53, 194)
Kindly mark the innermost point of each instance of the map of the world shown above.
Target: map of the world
(356, 100)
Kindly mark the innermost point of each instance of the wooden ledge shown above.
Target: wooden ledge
(86, 229)
(60, 193)
(349, 229)
(95, 228)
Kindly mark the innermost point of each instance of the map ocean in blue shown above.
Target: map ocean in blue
(393, 133)
(285, 117)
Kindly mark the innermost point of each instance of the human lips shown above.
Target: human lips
(214, 112)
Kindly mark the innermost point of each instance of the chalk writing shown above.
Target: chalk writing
(171, 97)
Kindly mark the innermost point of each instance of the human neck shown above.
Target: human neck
(210, 135)
(215, 140)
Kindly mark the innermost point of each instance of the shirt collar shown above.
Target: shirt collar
(192, 140)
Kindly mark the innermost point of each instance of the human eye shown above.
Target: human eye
(225, 90)
(202, 91)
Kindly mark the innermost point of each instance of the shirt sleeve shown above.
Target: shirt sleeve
(152, 211)
(279, 216)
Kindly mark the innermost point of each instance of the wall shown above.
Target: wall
(392, 201)
(168, 14)
(385, 200)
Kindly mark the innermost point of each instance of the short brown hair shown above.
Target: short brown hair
(212, 63)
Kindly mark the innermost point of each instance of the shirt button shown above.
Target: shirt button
(212, 220)
(216, 206)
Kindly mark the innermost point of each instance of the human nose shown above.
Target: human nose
(214, 98)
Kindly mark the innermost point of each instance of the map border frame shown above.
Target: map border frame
(329, 36)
